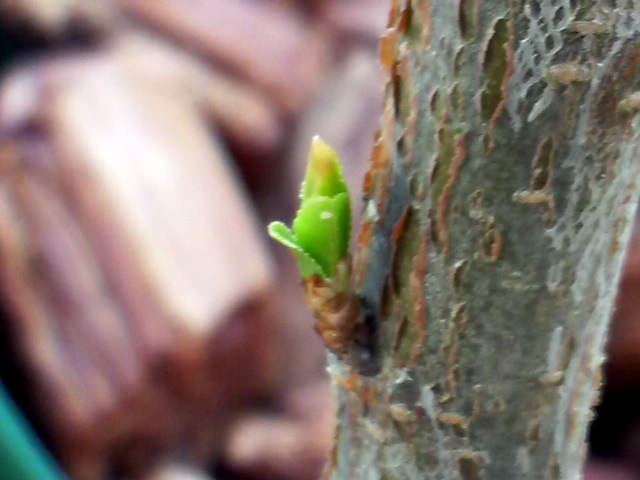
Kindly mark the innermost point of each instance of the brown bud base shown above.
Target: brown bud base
(340, 319)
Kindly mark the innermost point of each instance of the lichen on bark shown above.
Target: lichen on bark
(497, 212)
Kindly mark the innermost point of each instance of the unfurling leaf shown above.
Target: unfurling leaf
(321, 229)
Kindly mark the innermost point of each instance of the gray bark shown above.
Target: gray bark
(498, 207)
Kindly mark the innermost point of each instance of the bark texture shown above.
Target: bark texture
(498, 207)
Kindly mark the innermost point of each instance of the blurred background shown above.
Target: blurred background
(148, 328)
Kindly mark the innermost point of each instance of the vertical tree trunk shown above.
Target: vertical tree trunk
(498, 208)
